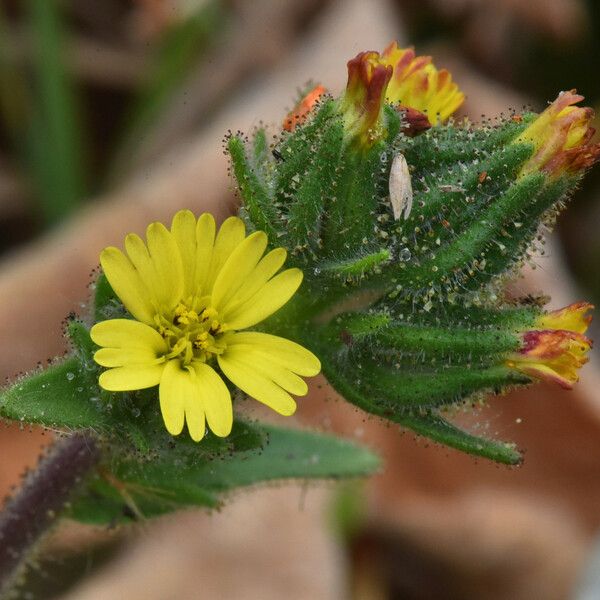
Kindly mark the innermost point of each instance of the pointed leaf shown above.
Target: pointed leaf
(134, 489)
(255, 194)
(433, 426)
(61, 396)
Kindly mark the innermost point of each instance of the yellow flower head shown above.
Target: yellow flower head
(190, 291)
(558, 349)
(418, 84)
(561, 136)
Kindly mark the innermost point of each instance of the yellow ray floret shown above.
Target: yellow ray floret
(190, 290)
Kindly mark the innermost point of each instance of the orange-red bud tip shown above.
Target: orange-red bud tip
(413, 121)
(301, 111)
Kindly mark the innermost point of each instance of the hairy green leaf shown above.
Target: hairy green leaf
(127, 489)
(62, 396)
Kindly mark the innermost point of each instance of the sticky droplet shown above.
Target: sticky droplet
(404, 255)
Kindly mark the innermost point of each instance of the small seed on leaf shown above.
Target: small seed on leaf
(401, 194)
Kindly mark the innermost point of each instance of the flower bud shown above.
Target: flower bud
(423, 94)
(558, 349)
(413, 121)
(561, 136)
(363, 100)
(301, 111)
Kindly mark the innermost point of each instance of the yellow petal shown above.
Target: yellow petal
(265, 269)
(126, 333)
(165, 286)
(264, 365)
(123, 379)
(241, 262)
(177, 388)
(140, 258)
(166, 260)
(257, 386)
(574, 317)
(231, 233)
(195, 417)
(183, 228)
(284, 352)
(126, 357)
(127, 284)
(271, 297)
(215, 398)
(205, 240)
(545, 372)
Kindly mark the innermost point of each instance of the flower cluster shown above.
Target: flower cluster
(397, 76)
(338, 194)
(190, 290)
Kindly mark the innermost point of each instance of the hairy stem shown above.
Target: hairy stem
(41, 499)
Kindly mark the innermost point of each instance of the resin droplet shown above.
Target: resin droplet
(404, 255)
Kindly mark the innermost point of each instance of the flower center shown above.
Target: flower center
(191, 334)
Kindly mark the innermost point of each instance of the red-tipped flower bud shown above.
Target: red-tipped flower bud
(365, 92)
(561, 136)
(557, 349)
(301, 111)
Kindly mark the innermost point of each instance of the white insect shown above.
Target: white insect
(401, 194)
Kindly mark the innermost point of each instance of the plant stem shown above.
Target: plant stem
(41, 499)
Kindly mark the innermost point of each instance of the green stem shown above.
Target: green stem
(44, 494)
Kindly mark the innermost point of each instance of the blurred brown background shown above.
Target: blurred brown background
(112, 114)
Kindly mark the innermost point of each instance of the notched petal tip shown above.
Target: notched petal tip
(313, 366)
(289, 410)
(184, 213)
(108, 253)
(156, 228)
